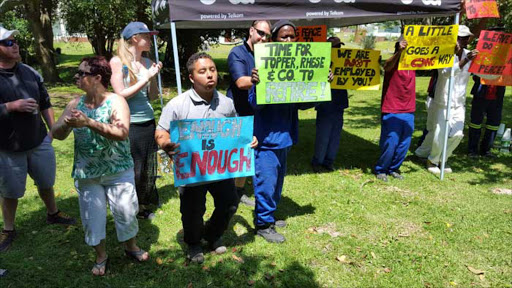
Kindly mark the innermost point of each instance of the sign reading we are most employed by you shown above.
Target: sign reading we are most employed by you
(355, 69)
(212, 149)
(428, 47)
(292, 72)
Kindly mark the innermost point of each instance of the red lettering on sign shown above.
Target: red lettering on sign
(196, 160)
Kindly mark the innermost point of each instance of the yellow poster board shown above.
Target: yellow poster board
(355, 69)
(428, 47)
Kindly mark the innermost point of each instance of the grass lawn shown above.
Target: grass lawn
(345, 229)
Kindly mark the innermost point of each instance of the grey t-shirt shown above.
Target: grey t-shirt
(189, 105)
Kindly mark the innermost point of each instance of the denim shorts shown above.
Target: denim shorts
(38, 162)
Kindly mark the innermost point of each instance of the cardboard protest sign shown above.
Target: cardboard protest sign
(482, 9)
(504, 80)
(428, 47)
(292, 72)
(495, 54)
(317, 33)
(355, 69)
(212, 149)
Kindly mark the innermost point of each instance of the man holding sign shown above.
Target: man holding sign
(202, 101)
(277, 126)
(240, 64)
(397, 119)
(432, 146)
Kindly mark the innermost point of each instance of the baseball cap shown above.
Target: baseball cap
(4, 33)
(136, 28)
(464, 31)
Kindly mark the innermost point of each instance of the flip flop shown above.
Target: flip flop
(100, 265)
(136, 255)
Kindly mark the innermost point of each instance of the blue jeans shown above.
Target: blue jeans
(270, 169)
(328, 135)
(395, 139)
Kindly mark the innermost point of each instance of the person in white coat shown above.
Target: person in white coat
(431, 147)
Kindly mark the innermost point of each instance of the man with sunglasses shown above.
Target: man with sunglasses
(241, 63)
(25, 146)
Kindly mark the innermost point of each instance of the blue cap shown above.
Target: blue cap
(136, 28)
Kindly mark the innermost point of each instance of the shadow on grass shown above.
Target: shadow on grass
(57, 256)
(353, 152)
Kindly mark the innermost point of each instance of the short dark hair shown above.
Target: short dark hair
(99, 66)
(196, 56)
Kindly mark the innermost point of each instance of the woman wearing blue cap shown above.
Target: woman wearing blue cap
(133, 77)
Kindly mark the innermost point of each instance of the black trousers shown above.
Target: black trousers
(193, 207)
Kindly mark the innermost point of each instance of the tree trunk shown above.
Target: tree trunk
(39, 14)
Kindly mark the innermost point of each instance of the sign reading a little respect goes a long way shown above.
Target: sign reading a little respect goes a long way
(428, 47)
(292, 72)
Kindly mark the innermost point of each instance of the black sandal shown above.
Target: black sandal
(136, 255)
(99, 266)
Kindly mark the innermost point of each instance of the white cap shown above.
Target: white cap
(4, 33)
(464, 31)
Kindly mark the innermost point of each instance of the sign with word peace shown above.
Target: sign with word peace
(355, 69)
(428, 47)
(503, 80)
(292, 72)
(482, 9)
(317, 33)
(495, 54)
(212, 149)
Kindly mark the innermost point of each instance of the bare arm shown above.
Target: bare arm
(163, 139)
(117, 80)
(244, 83)
(116, 130)
(61, 130)
(393, 60)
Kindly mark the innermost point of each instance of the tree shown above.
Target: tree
(102, 20)
(38, 16)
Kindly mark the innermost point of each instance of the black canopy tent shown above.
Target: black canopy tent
(223, 14)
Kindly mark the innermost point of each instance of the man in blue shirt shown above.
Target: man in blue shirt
(329, 123)
(277, 125)
(241, 63)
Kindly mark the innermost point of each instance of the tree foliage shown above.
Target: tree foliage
(102, 20)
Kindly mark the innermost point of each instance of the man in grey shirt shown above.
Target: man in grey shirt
(202, 101)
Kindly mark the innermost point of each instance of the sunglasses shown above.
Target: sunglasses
(8, 42)
(81, 73)
(262, 33)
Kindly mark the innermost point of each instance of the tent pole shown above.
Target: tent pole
(176, 58)
(448, 113)
(157, 60)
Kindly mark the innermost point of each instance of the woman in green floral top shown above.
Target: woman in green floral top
(103, 166)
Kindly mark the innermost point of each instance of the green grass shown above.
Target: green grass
(345, 229)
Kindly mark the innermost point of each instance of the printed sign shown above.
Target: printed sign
(482, 9)
(212, 149)
(316, 33)
(495, 54)
(505, 80)
(292, 72)
(428, 47)
(355, 69)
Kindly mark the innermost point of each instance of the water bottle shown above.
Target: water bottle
(505, 141)
(164, 162)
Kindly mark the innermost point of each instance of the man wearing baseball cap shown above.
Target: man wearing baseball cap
(25, 146)
(431, 148)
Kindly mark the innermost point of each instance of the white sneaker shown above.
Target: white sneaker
(447, 169)
(434, 170)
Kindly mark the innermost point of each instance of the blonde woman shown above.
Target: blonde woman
(133, 77)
